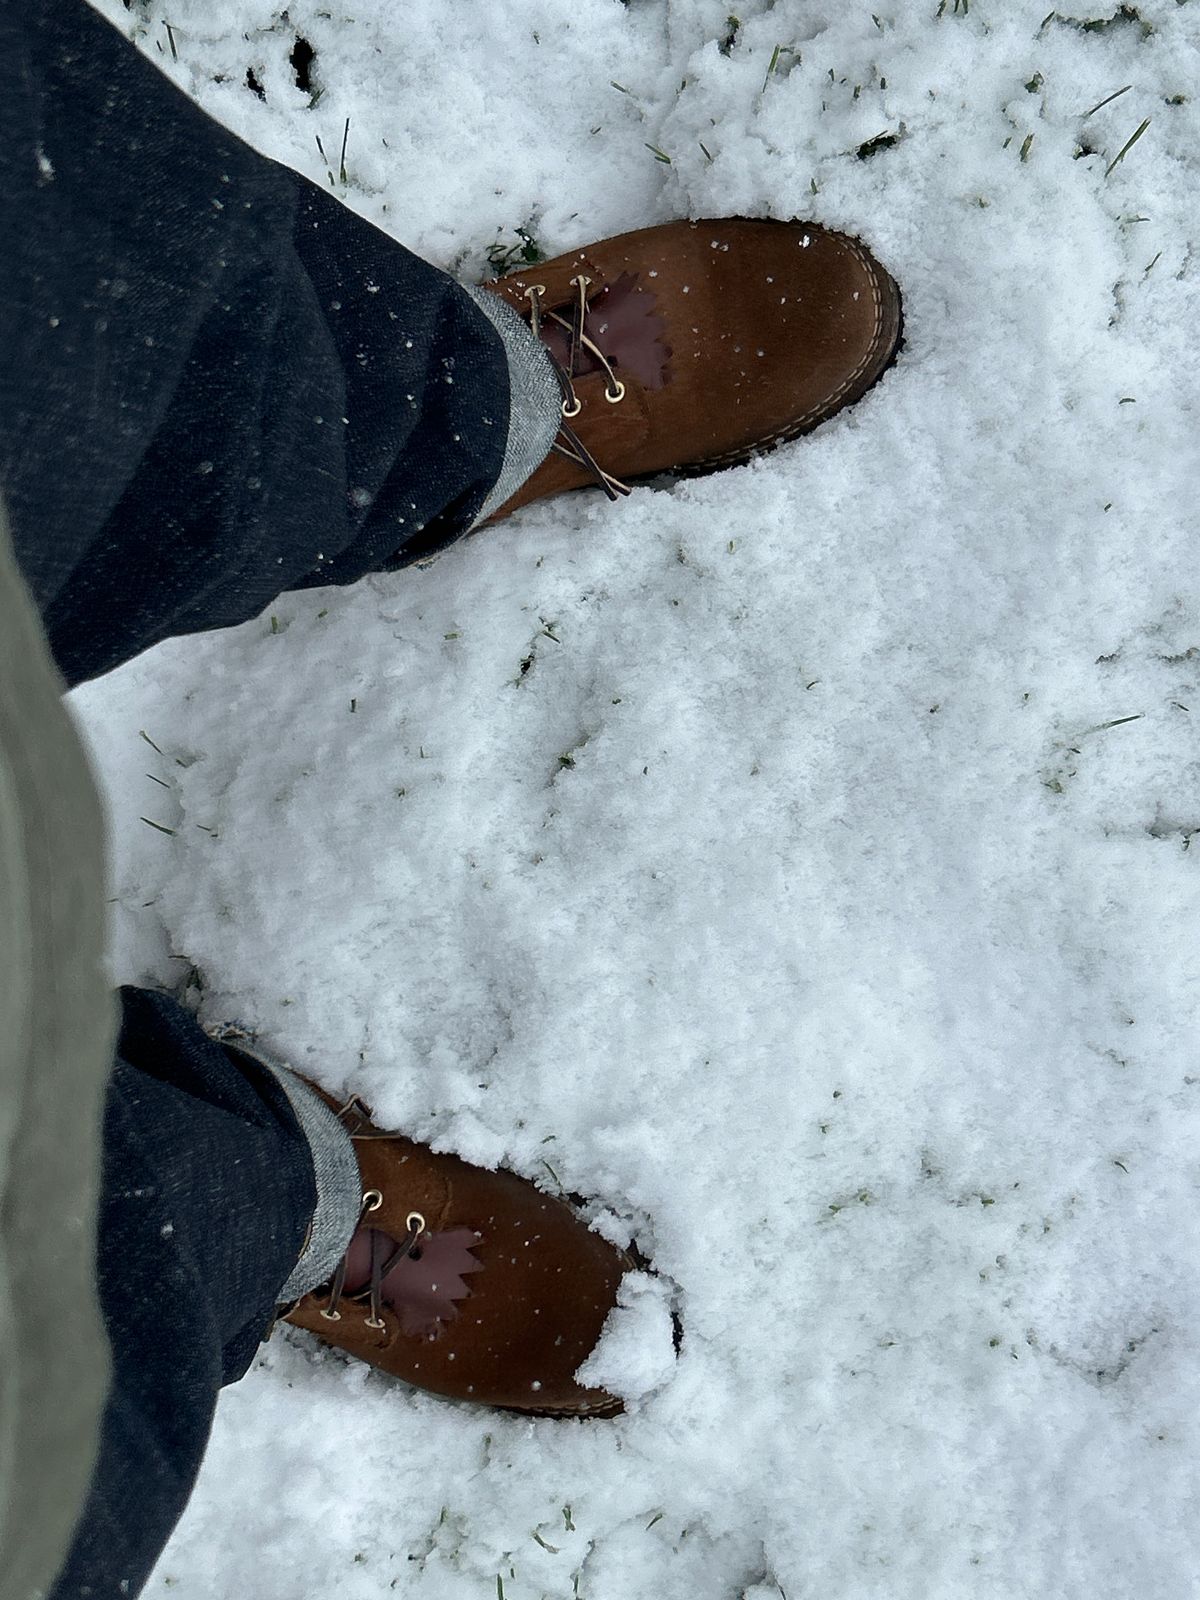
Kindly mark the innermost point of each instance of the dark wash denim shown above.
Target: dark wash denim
(204, 400)
(207, 361)
(206, 1195)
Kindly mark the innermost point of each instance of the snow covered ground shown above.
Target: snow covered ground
(823, 900)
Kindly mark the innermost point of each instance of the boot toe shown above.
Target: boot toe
(805, 319)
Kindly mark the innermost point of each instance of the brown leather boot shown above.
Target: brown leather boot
(694, 345)
(465, 1282)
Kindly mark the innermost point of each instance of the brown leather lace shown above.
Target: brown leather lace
(614, 390)
(381, 1264)
(382, 1260)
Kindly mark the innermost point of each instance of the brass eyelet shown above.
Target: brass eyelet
(372, 1200)
(415, 1220)
(332, 1316)
(582, 278)
(572, 411)
(615, 399)
(532, 289)
(375, 1322)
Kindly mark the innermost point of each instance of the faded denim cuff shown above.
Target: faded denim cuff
(339, 1188)
(535, 402)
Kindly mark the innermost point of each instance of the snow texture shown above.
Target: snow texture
(821, 897)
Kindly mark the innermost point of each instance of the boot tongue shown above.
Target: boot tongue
(558, 341)
(422, 1290)
(623, 319)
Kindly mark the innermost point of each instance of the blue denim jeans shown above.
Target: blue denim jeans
(207, 1194)
(218, 383)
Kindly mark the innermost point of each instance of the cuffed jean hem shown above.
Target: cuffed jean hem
(335, 1172)
(535, 409)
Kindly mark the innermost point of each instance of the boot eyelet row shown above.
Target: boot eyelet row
(572, 405)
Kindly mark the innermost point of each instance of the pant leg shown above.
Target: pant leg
(218, 381)
(217, 384)
(206, 1196)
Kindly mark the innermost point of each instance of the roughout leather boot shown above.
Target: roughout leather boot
(692, 346)
(466, 1282)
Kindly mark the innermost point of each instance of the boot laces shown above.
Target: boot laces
(382, 1260)
(573, 446)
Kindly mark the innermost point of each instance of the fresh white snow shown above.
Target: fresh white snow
(850, 962)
